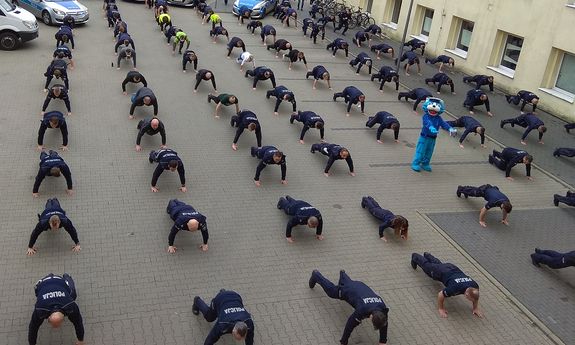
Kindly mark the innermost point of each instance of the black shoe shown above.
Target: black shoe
(312, 281)
(555, 202)
(537, 250)
(399, 97)
(150, 158)
(458, 192)
(195, 309)
(413, 263)
(567, 129)
(334, 98)
(279, 203)
(246, 74)
(291, 119)
(535, 263)
(312, 150)
(253, 151)
(491, 159)
(507, 98)
(501, 124)
(555, 154)
(209, 100)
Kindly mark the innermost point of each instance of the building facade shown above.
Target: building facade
(524, 44)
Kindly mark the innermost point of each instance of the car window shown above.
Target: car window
(7, 6)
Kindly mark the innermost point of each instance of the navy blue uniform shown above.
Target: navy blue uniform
(289, 13)
(332, 151)
(415, 44)
(470, 124)
(294, 55)
(242, 120)
(64, 31)
(236, 42)
(219, 31)
(121, 40)
(280, 44)
(385, 121)
(306, 23)
(317, 72)
(411, 58)
(281, 93)
(362, 59)
(309, 120)
(63, 96)
(568, 199)
(480, 80)
(300, 211)
(57, 65)
(315, 9)
(553, 259)
(569, 126)
(181, 213)
(259, 73)
(63, 49)
(326, 19)
(386, 74)
(529, 121)
(491, 194)
(454, 280)
(138, 100)
(145, 127)
(55, 294)
(344, 17)
(47, 162)
(131, 77)
(253, 25)
(228, 309)
(441, 58)
(163, 158)
(382, 48)
(338, 43)
(266, 154)
(53, 208)
(524, 96)
(316, 28)
(189, 56)
(508, 158)
(564, 151)
(441, 79)
(360, 37)
(473, 99)
(385, 216)
(267, 30)
(357, 294)
(45, 124)
(120, 27)
(373, 29)
(171, 32)
(417, 94)
(351, 96)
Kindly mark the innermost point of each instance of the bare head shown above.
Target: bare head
(277, 157)
(378, 319)
(390, 51)
(57, 73)
(535, 100)
(490, 79)
(483, 97)
(480, 130)
(54, 122)
(362, 98)
(137, 79)
(54, 222)
(527, 159)
(344, 153)
(64, 38)
(312, 222)
(345, 45)
(239, 43)
(506, 206)
(193, 225)
(300, 55)
(319, 125)
(147, 100)
(267, 74)
(252, 127)
(155, 123)
(126, 42)
(173, 165)
(472, 294)
(542, 129)
(209, 75)
(325, 76)
(233, 99)
(240, 331)
(401, 226)
(395, 126)
(288, 45)
(55, 171)
(56, 319)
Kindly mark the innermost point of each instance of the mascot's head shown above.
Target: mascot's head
(433, 106)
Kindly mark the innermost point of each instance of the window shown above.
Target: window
(511, 52)
(566, 76)
(427, 19)
(395, 12)
(464, 35)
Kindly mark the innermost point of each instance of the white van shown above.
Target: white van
(16, 26)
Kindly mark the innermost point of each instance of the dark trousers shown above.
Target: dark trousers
(344, 25)
(67, 278)
(44, 155)
(207, 311)
(321, 147)
(213, 98)
(570, 126)
(407, 95)
(568, 199)
(498, 160)
(354, 62)
(53, 204)
(373, 207)
(332, 290)
(300, 4)
(551, 258)
(432, 266)
(259, 152)
(174, 207)
(564, 151)
(475, 192)
(513, 99)
(289, 205)
(513, 122)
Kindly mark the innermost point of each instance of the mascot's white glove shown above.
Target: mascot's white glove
(452, 132)
(433, 130)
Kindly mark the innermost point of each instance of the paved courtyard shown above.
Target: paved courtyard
(131, 291)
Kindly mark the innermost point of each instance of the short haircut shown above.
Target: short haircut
(54, 221)
(344, 152)
(278, 154)
(241, 328)
(379, 319)
(542, 129)
(57, 72)
(506, 206)
(529, 158)
(313, 222)
(252, 126)
(480, 130)
(173, 164)
(60, 55)
(55, 171)
(319, 125)
(395, 126)
(126, 42)
(325, 75)
(64, 38)
(54, 120)
(473, 293)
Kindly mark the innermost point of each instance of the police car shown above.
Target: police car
(259, 7)
(54, 11)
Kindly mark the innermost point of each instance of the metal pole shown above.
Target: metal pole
(404, 36)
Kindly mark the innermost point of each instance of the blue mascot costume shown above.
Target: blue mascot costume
(432, 109)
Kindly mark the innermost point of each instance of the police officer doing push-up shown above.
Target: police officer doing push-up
(51, 164)
(510, 157)
(471, 125)
(367, 304)
(151, 126)
(269, 155)
(494, 198)
(186, 218)
(553, 259)
(144, 96)
(57, 91)
(398, 223)
(133, 77)
(55, 299)
(167, 160)
(231, 315)
(246, 119)
(309, 120)
(385, 120)
(282, 93)
(53, 217)
(334, 152)
(302, 213)
(455, 281)
(53, 119)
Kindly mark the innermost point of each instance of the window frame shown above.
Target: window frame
(458, 41)
(555, 87)
(426, 9)
(393, 12)
(504, 49)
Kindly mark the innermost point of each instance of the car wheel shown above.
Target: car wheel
(46, 18)
(8, 41)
